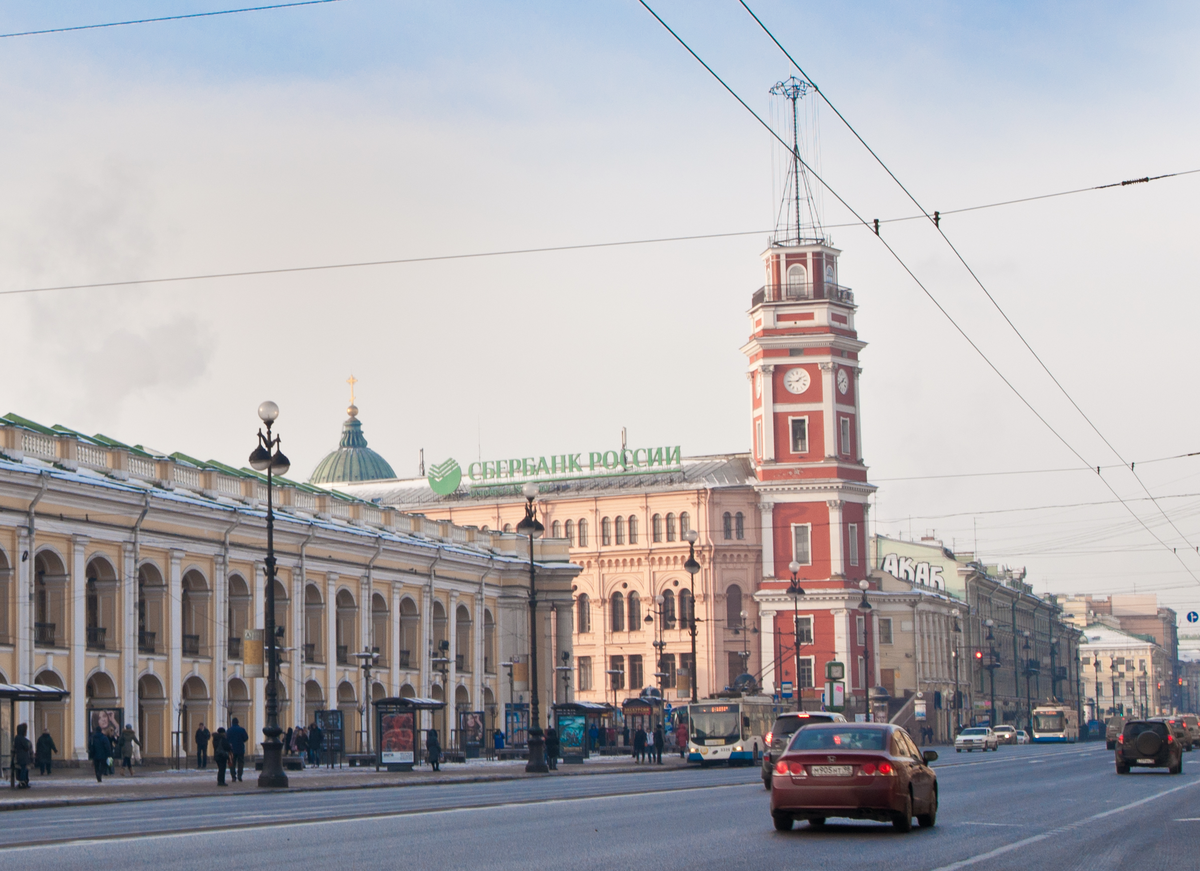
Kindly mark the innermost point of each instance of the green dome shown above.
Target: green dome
(353, 460)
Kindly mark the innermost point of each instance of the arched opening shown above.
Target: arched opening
(152, 595)
(237, 703)
(100, 605)
(727, 526)
(196, 709)
(314, 624)
(633, 529)
(685, 523)
(489, 642)
(379, 628)
(490, 707)
(377, 691)
(635, 611)
(50, 716)
(619, 529)
(152, 717)
(740, 523)
(6, 630)
(569, 532)
(617, 612)
(583, 609)
(284, 703)
(605, 532)
(314, 700)
(507, 528)
(583, 532)
(656, 527)
(797, 282)
(668, 609)
(193, 606)
(687, 609)
(103, 706)
(239, 616)
(407, 691)
(347, 619)
(733, 606)
(670, 527)
(347, 702)
(462, 704)
(410, 632)
(49, 598)
(283, 614)
(462, 639)
(439, 626)
(556, 529)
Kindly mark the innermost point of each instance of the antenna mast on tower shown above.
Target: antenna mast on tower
(793, 89)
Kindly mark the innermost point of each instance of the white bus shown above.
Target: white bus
(1055, 723)
(729, 731)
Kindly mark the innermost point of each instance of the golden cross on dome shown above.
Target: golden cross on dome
(351, 381)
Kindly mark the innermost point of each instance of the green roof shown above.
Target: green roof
(353, 460)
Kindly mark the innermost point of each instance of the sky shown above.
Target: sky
(366, 130)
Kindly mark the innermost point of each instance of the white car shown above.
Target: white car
(976, 738)
(1022, 736)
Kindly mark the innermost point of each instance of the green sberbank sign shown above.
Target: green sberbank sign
(444, 478)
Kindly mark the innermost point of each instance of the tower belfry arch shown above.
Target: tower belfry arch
(798, 221)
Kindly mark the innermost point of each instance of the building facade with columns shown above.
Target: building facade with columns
(129, 579)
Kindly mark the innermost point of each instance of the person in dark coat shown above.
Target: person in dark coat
(300, 740)
(552, 748)
(220, 748)
(639, 744)
(100, 750)
(593, 736)
(237, 738)
(659, 741)
(22, 756)
(45, 747)
(202, 738)
(287, 741)
(125, 749)
(315, 738)
(433, 748)
(625, 735)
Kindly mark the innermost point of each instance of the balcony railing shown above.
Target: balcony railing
(146, 641)
(44, 634)
(191, 645)
(404, 659)
(343, 654)
(460, 662)
(95, 637)
(310, 652)
(235, 648)
(799, 292)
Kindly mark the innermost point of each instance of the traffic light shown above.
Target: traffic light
(979, 654)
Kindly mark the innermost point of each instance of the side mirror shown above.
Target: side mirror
(929, 756)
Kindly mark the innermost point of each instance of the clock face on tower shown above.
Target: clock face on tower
(797, 380)
(843, 381)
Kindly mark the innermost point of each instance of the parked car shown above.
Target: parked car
(785, 727)
(976, 738)
(864, 771)
(1022, 736)
(1006, 734)
(1112, 730)
(1148, 744)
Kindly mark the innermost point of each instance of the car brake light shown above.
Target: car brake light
(781, 767)
(868, 768)
(770, 737)
(797, 770)
(885, 768)
(1120, 739)
(1170, 739)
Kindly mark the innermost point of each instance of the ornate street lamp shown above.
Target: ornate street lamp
(537, 743)
(1028, 675)
(367, 661)
(865, 607)
(992, 664)
(796, 591)
(692, 568)
(267, 457)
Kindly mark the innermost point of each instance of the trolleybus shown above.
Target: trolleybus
(1055, 723)
(729, 731)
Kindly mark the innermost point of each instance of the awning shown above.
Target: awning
(413, 702)
(24, 692)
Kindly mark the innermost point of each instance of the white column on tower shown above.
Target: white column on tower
(837, 560)
(767, 654)
(768, 412)
(767, 512)
(858, 414)
(829, 402)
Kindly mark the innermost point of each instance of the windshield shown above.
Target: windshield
(717, 722)
(1048, 722)
(1003, 729)
(848, 738)
(788, 725)
(974, 731)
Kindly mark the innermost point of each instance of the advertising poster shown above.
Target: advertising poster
(397, 741)
(109, 720)
(572, 732)
(252, 654)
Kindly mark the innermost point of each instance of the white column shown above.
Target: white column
(427, 640)
(452, 653)
(296, 642)
(858, 414)
(258, 687)
(25, 617)
(768, 412)
(767, 649)
(841, 644)
(837, 559)
(127, 640)
(477, 653)
(77, 590)
(829, 404)
(331, 641)
(873, 674)
(220, 642)
(767, 512)
(563, 624)
(394, 647)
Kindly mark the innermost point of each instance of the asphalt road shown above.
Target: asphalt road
(1045, 807)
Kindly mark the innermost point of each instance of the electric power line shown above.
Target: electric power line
(1033, 471)
(166, 18)
(903, 265)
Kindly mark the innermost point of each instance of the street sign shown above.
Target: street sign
(834, 696)
(785, 689)
(1193, 616)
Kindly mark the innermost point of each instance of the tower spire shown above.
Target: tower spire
(793, 90)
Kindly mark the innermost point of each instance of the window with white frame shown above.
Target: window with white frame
(885, 630)
(805, 627)
(802, 543)
(862, 629)
(853, 530)
(585, 673)
(799, 427)
(845, 421)
(805, 678)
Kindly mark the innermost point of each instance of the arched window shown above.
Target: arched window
(508, 527)
(656, 527)
(617, 610)
(687, 609)
(583, 606)
(620, 528)
(668, 609)
(830, 283)
(797, 282)
(733, 606)
(556, 530)
(740, 525)
(670, 527)
(605, 532)
(685, 523)
(583, 540)
(635, 611)
(569, 532)
(633, 525)
(727, 526)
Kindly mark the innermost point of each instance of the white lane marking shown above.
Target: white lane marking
(1189, 820)
(977, 823)
(1025, 842)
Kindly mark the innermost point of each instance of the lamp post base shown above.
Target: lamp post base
(273, 775)
(537, 754)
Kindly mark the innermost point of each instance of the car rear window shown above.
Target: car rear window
(788, 725)
(1132, 730)
(974, 731)
(844, 738)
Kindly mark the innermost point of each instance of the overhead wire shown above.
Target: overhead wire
(166, 18)
(936, 223)
(903, 265)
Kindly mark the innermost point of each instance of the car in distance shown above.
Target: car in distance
(863, 771)
(1112, 730)
(1180, 729)
(782, 731)
(1148, 744)
(1192, 722)
(1022, 736)
(976, 738)
(1006, 734)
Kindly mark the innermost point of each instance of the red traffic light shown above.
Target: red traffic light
(979, 654)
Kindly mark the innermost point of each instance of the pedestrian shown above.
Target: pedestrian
(593, 736)
(681, 737)
(237, 738)
(45, 747)
(100, 751)
(625, 735)
(552, 748)
(287, 741)
(639, 744)
(434, 749)
(202, 738)
(659, 741)
(22, 756)
(125, 750)
(300, 739)
(315, 739)
(220, 748)
(498, 740)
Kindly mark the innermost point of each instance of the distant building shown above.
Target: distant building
(1125, 673)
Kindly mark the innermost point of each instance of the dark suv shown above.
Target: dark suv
(1148, 744)
(783, 730)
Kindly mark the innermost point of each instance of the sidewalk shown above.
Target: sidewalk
(78, 786)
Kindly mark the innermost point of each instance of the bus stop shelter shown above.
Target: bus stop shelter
(645, 712)
(574, 721)
(20, 692)
(399, 741)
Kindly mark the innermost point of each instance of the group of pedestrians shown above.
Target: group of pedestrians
(648, 748)
(228, 750)
(24, 752)
(305, 742)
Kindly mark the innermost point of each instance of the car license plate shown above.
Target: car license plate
(831, 770)
(1145, 762)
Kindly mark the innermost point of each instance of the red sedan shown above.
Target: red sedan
(864, 771)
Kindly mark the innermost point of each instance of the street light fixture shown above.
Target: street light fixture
(796, 591)
(366, 661)
(268, 457)
(537, 744)
(865, 607)
(442, 663)
(991, 666)
(692, 568)
(1028, 675)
